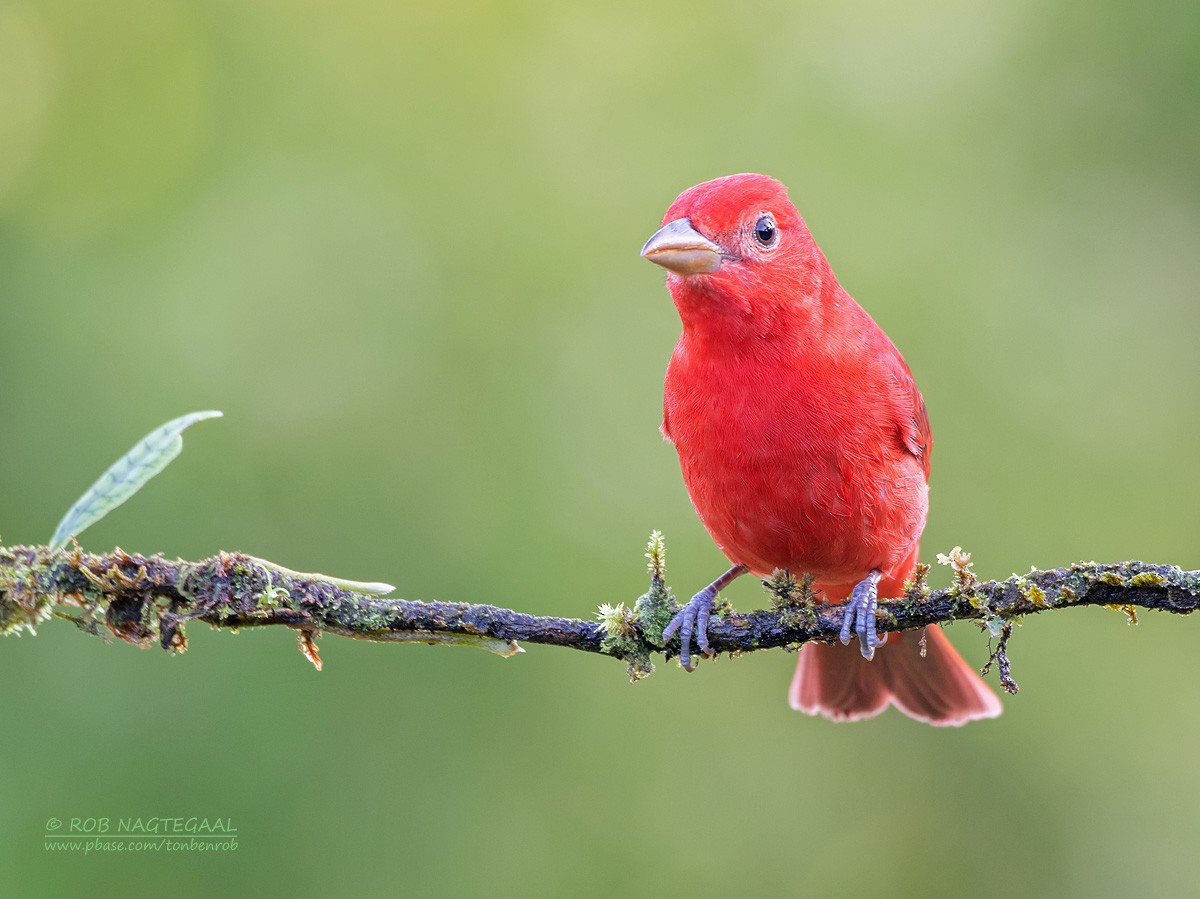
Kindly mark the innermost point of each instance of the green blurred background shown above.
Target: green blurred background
(397, 244)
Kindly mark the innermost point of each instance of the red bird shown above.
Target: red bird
(804, 445)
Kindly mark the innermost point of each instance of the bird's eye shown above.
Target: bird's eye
(764, 231)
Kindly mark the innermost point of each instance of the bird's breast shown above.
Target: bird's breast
(794, 462)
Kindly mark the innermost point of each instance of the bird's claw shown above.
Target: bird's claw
(859, 616)
(692, 618)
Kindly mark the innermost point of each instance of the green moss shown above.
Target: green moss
(617, 621)
(653, 610)
(621, 639)
(633, 634)
(793, 600)
(656, 555)
(916, 589)
(1147, 579)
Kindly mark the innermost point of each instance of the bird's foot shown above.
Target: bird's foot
(859, 616)
(693, 618)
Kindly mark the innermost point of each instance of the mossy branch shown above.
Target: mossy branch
(149, 600)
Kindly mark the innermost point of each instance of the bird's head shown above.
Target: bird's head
(736, 248)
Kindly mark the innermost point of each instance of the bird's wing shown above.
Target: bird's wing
(913, 420)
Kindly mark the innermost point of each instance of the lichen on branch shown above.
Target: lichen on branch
(150, 600)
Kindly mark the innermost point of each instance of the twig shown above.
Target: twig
(999, 656)
(146, 600)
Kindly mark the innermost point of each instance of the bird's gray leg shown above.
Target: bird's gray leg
(693, 618)
(859, 615)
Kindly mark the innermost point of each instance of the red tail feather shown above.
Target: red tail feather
(939, 689)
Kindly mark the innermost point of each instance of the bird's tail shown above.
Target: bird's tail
(939, 688)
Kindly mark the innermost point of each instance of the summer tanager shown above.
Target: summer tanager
(804, 445)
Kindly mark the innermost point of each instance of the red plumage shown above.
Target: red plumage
(802, 437)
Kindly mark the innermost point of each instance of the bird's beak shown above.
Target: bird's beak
(682, 249)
